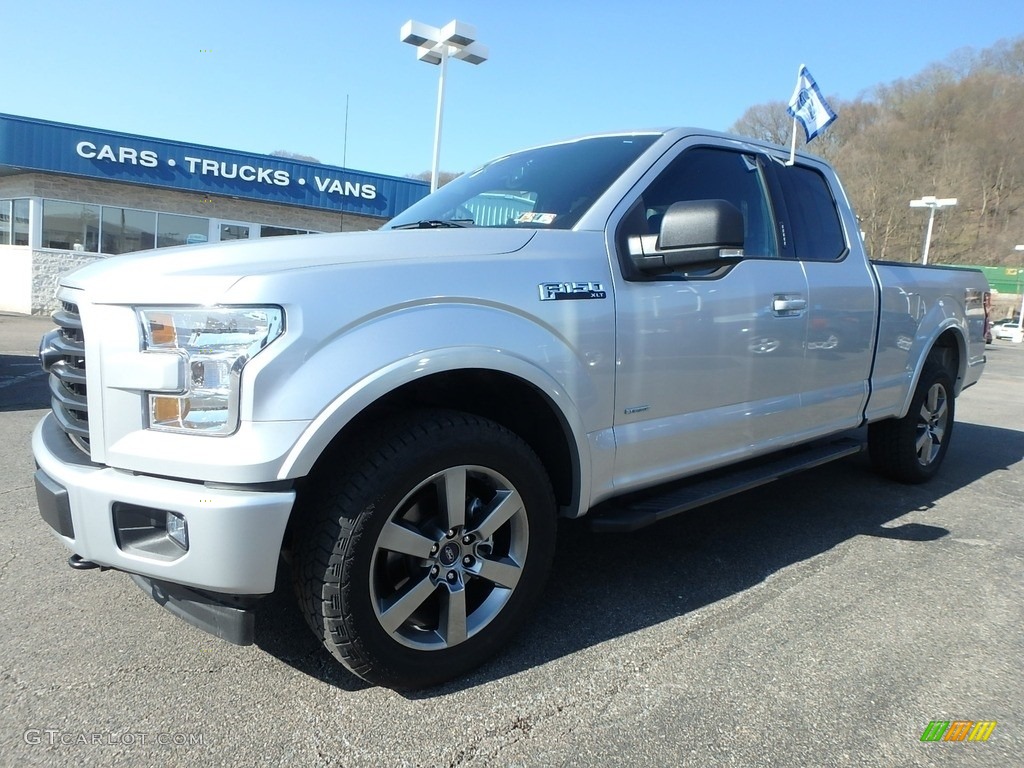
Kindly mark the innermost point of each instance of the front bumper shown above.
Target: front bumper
(234, 535)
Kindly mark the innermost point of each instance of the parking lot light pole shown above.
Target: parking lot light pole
(1021, 287)
(933, 203)
(434, 46)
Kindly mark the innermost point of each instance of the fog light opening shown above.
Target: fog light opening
(177, 529)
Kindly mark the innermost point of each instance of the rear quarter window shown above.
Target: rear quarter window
(813, 218)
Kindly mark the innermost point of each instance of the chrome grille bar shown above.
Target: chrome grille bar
(63, 356)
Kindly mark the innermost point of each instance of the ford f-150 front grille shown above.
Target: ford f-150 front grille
(66, 365)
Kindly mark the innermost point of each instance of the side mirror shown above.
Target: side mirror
(692, 232)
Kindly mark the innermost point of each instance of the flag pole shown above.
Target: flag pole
(792, 145)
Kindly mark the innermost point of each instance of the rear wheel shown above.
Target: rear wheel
(421, 561)
(911, 449)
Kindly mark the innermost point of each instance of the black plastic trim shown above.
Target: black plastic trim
(234, 623)
(647, 507)
(54, 505)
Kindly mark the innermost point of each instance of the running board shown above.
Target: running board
(640, 510)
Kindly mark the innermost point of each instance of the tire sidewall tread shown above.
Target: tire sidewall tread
(892, 442)
(332, 569)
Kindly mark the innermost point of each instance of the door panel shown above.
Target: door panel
(841, 331)
(713, 367)
(706, 369)
(710, 362)
(842, 310)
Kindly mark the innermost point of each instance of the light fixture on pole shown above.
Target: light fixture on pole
(933, 203)
(434, 45)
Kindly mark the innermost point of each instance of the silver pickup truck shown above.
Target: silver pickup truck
(585, 328)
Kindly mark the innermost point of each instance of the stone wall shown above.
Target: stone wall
(47, 269)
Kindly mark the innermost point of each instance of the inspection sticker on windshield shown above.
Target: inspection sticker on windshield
(564, 291)
(536, 218)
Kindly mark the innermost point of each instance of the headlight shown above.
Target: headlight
(214, 343)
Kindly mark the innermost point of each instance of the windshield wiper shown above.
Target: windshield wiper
(435, 224)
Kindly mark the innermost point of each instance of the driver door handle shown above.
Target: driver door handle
(786, 303)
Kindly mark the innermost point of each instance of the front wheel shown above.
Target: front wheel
(421, 560)
(912, 448)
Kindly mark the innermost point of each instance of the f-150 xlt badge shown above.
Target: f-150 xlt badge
(561, 291)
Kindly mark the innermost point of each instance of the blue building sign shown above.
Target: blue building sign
(40, 145)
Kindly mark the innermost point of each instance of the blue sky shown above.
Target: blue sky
(259, 76)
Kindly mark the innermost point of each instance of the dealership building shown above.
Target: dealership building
(70, 195)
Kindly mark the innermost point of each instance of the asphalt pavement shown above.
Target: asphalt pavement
(823, 620)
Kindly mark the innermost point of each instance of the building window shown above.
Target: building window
(234, 232)
(499, 209)
(69, 226)
(173, 229)
(112, 230)
(127, 229)
(268, 231)
(5, 222)
(20, 230)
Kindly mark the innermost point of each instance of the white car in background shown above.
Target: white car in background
(1009, 332)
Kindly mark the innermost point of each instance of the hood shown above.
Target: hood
(201, 274)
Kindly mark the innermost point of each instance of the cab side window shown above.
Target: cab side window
(814, 221)
(703, 173)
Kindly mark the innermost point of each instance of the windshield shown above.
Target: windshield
(548, 187)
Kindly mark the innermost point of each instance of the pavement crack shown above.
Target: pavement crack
(6, 563)
(7, 677)
(499, 738)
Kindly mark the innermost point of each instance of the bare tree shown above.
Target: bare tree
(765, 122)
(443, 177)
(953, 130)
(294, 156)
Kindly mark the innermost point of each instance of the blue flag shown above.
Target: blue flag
(808, 105)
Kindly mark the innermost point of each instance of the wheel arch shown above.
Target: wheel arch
(949, 350)
(540, 414)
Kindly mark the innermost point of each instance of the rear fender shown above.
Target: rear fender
(949, 327)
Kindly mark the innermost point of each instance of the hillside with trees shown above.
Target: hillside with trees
(952, 131)
(443, 177)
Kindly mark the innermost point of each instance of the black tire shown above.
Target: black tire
(399, 588)
(911, 449)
